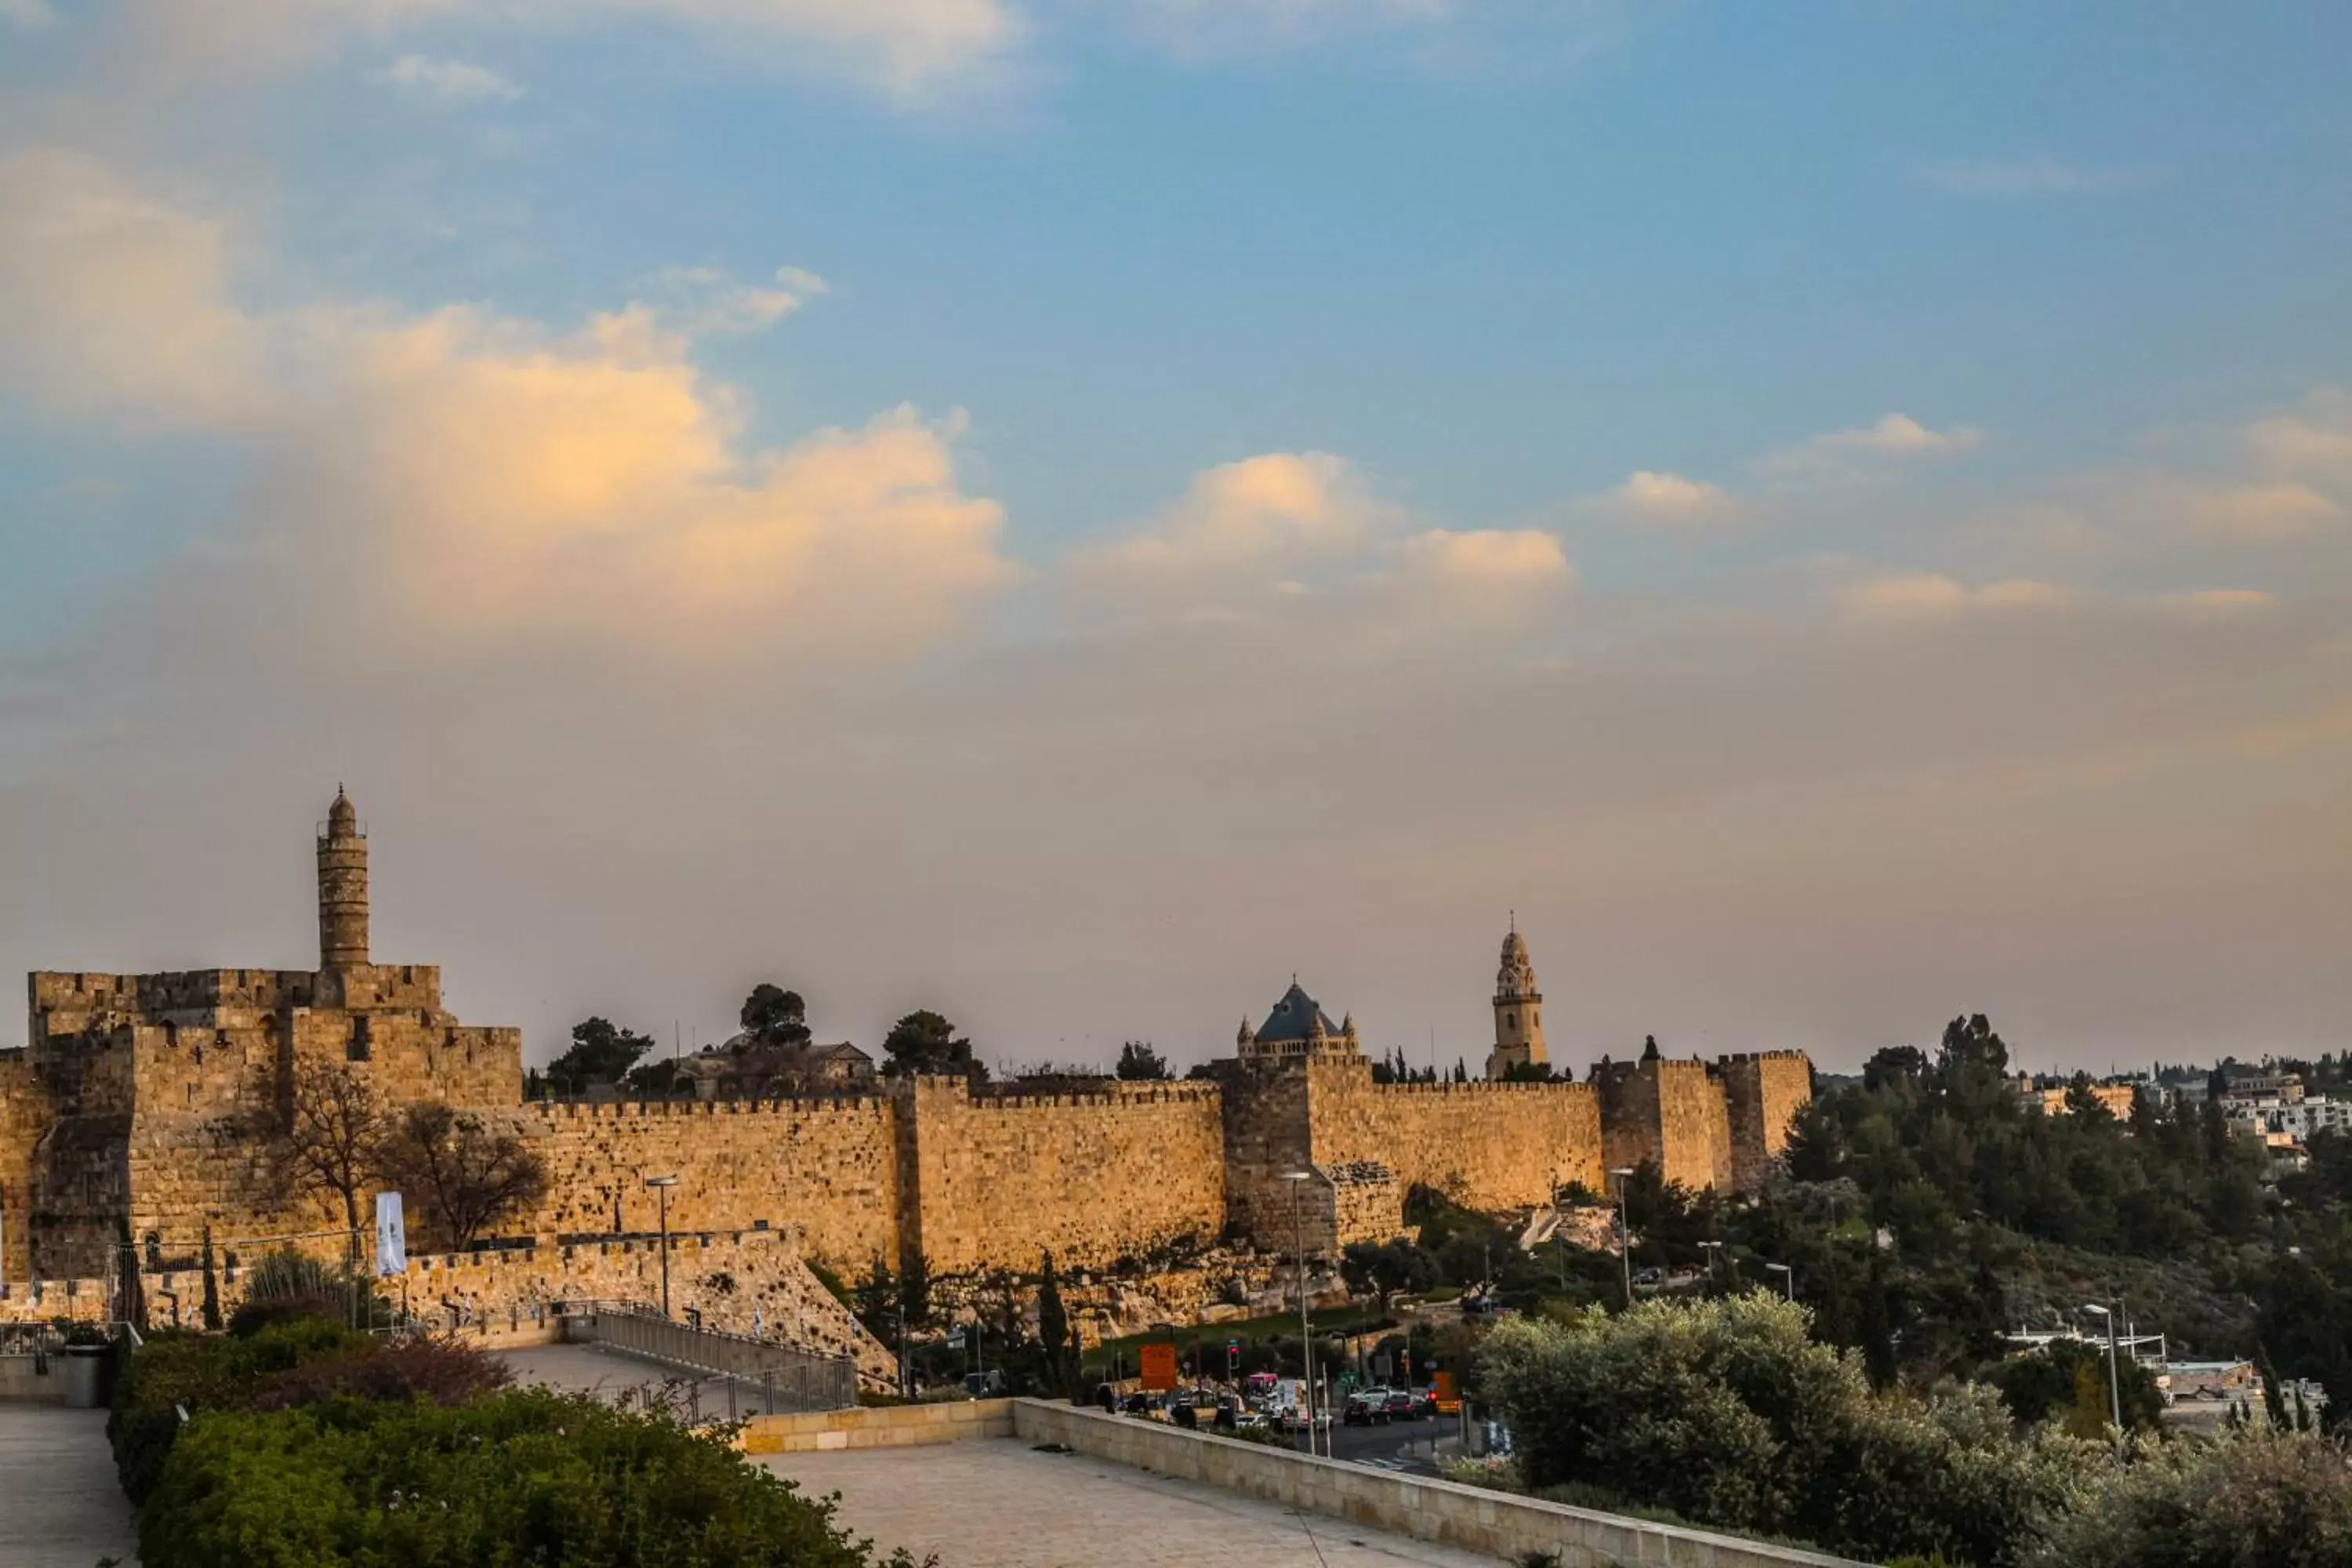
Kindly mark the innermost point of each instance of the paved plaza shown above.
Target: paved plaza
(1000, 1504)
(61, 1505)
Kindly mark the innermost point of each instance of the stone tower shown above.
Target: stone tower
(1518, 1011)
(342, 888)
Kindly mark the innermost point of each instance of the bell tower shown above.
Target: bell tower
(1518, 1010)
(342, 888)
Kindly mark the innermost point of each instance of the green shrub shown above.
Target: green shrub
(1726, 1414)
(2259, 1500)
(517, 1478)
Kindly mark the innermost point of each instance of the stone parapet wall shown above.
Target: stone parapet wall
(1089, 1177)
(827, 1167)
(1487, 1145)
(1763, 1092)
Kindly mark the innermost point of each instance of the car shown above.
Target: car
(1402, 1406)
(1363, 1410)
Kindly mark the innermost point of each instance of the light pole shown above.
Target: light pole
(1624, 1173)
(1711, 1249)
(2114, 1388)
(1788, 1276)
(661, 1186)
(1305, 1344)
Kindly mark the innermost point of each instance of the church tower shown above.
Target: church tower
(342, 888)
(1518, 1011)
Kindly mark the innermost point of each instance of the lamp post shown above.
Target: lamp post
(1788, 1276)
(2114, 1388)
(1624, 1173)
(1712, 1248)
(1306, 1343)
(661, 1186)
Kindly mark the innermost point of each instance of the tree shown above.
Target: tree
(775, 1016)
(1384, 1268)
(877, 1301)
(1060, 1369)
(924, 1042)
(654, 1081)
(467, 1174)
(335, 1136)
(602, 1052)
(915, 1289)
(1138, 1063)
(212, 1309)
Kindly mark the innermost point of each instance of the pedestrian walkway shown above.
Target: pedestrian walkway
(1000, 1504)
(60, 1505)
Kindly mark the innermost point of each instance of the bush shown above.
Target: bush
(1725, 1413)
(518, 1478)
(2276, 1501)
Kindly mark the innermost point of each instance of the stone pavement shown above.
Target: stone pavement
(1001, 1504)
(61, 1505)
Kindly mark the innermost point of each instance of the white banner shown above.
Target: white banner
(390, 1237)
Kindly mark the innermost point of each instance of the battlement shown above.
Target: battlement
(1486, 1087)
(1765, 1056)
(593, 1110)
(1112, 1094)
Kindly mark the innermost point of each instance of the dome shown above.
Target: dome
(1297, 1017)
(342, 817)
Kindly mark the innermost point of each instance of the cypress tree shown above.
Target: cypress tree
(212, 1284)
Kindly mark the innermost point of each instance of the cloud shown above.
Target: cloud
(1647, 497)
(2039, 174)
(28, 16)
(1895, 437)
(1486, 559)
(448, 84)
(1245, 527)
(2265, 512)
(2218, 603)
(1928, 596)
(2315, 441)
(1221, 26)
(907, 50)
(113, 300)
(699, 300)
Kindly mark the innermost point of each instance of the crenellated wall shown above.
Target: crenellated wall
(1089, 1177)
(827, 1167)
(1487, 1145)
(1763, 1093)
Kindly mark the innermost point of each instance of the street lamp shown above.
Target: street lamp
(1624, 1173)
(1305, 1344)
(662, 1185)
(1789, 1277)
(1711, 1249)
(2114, 1387)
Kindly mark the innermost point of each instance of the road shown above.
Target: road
(1406, 1446)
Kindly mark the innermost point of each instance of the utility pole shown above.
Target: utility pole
(1624, 1233)
(2114, 1386)
(661, 1186)
(1305, 1343)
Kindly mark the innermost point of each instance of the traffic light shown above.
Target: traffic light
(1233, 1358)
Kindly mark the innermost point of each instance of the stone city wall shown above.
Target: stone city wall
(1089, 1177)
(26, 1114)
(1762, 1095)
(1485, 1145)
(738, 1281)
(1672, 1114)
(826, 1166)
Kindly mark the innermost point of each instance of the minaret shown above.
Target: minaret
(1518, 1010)
(342, 888)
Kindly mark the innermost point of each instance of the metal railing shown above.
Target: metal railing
(778, 1379)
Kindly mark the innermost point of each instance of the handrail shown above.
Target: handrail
(791, 1377)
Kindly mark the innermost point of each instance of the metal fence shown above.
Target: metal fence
(772, 1378)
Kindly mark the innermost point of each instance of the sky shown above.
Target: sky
(1069, 513)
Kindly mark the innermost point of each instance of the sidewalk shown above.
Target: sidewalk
(61, 1505)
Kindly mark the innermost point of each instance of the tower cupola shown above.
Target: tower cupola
(343, 888)
(1518, 1010)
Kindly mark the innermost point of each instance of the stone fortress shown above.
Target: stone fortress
(148, 1109)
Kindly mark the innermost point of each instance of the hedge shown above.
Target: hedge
(525, 1477)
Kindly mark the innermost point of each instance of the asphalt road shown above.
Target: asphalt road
(1409, 1447)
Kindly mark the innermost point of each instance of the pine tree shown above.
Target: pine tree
(915, 1289)
(212, 1285)
(1053, 1332)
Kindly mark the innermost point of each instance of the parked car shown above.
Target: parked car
(1401, 1407)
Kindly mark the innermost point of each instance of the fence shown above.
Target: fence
(781, 1379)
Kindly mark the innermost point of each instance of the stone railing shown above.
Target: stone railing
(786, 1377)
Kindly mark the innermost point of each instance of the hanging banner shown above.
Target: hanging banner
(390, 1237)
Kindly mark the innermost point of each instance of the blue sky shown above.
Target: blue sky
(1731, 388)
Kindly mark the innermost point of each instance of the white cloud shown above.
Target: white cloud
(1928, 596)
(448, 84)
(704, 299)
(2218, 603)
(1895, 437)
(2314, 442)
(1243, 527)
(26, 15)
(114, 300)
(1487, 559)
(2036, 175)
(1648, 497)
(2265, 512)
